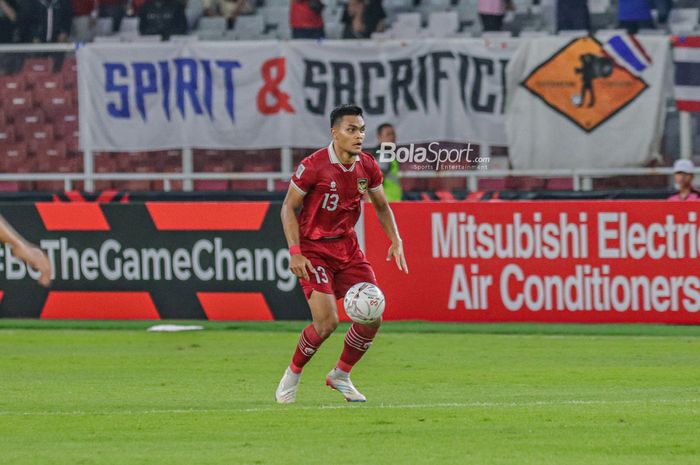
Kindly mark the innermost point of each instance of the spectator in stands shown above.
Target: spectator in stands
(663, 10)
(573, 15)
(162, 17)
(115, 9)
(683, 177)
(362, 19)
(305, 19)
(8, 21)
(634, 15)
(84, 13)
(229, 9)
(45, 20)
(492, 12)
(390, 170)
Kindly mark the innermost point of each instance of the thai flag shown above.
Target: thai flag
(627, 52)
(686, 57)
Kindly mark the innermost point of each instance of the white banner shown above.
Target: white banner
(272, 94)
(586, 102)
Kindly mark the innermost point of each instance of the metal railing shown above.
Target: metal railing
(582, 179)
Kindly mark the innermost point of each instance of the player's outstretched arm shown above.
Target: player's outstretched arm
(386, 219)
(298, 263)
(26, 252)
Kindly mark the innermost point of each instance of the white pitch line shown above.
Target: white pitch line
(369, 406)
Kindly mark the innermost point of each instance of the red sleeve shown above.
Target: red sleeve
(304, 177)
(375, 174)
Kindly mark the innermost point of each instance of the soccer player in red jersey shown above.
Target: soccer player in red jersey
(328, 187)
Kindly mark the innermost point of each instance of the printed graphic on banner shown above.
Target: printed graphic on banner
(570, 100)
(613, 262)
(153, 260)
(587, 84)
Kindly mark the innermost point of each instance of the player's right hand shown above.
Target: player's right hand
(299, 265)
(35, 258)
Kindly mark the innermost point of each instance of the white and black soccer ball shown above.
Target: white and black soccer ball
(364, 303)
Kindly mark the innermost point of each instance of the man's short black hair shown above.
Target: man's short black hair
(383, 126)
(344, 110)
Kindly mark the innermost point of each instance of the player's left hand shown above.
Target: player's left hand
(396, 251)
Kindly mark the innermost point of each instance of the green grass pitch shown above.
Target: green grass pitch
(111, 394)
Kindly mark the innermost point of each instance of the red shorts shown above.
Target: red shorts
(338, 264)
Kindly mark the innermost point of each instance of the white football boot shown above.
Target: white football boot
(287, 390)
(340, 381)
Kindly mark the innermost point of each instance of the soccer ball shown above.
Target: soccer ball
(364, 303)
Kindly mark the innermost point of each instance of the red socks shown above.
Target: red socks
(309, 342)
(357, 340)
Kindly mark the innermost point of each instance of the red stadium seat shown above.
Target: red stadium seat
(492, 184)
(10, 84)
(69, 73)
(39, 137)
(134, 185)
(565, 184)
(211, 185)
(26, 122)
(17, 101)
(37, 65)
(105, 164)
(7, 135)
(56, 104)
(50, 156)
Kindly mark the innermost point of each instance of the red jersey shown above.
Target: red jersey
(333, 192)
(302, 16)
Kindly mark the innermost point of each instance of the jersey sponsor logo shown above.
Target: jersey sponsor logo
(300, 171)
(584, 84)
(362, 185)
(333, 185)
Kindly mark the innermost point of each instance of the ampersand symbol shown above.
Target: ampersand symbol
(273, 72)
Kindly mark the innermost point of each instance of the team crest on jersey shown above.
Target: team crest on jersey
(333, 185)
(362, 185)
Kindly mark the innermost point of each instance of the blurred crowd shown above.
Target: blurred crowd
(64, 20)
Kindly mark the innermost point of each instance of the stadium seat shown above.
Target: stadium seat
(683, 19)
(598, 6)
(46, 83)
(11, 84)
(129, 24)
(135, 185)
(107, 39)
(443, 24)
(40, 136)
(17, 101)
(104, 27)
(529, 34)
(69, 72)
(249, 27)
(275, 16)
(492, 184)
(26, 121)
(50, 156)
(37, 66)
(212, 23)
(55, 102)
(7, 135)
